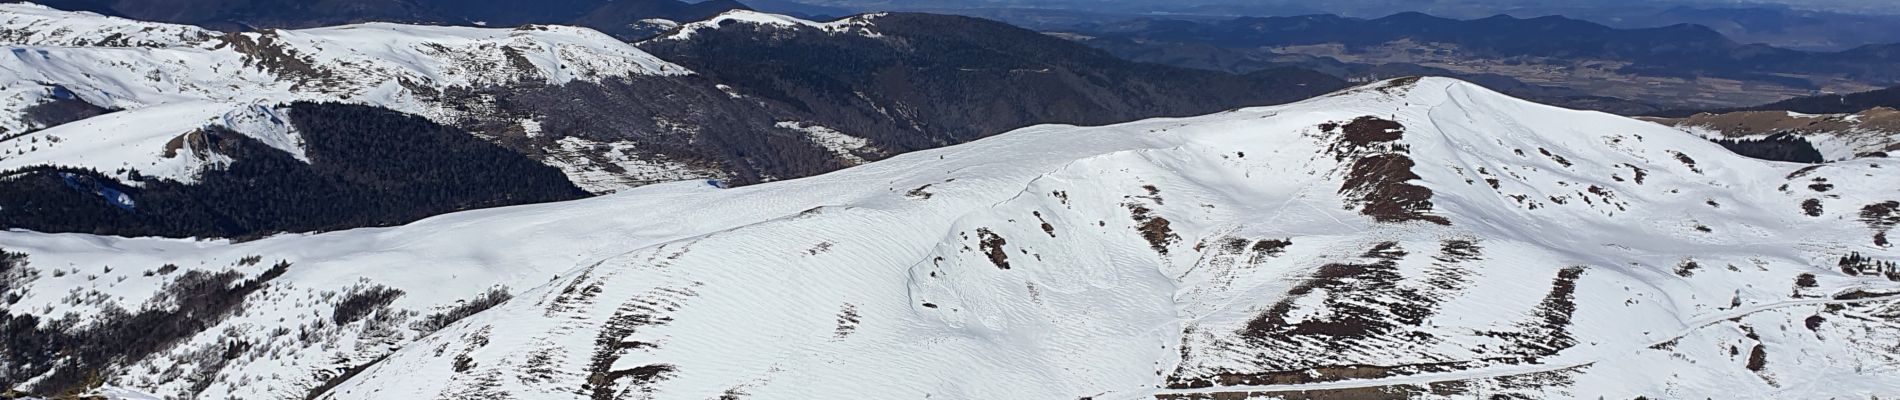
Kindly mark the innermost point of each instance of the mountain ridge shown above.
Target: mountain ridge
(1232, 254)
(610, 115)
(1831, 127)
(612, 16)
(948, 79)
(1675, 66)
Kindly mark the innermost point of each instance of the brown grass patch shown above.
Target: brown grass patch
(992, 245)
(1153, 228)
(1365, 131)
(1270, 248)
(1382, 185)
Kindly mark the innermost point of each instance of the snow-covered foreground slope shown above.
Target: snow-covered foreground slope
(1411, 238)
(155, 70)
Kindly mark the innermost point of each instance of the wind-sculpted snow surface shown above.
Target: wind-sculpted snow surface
(1277, 252)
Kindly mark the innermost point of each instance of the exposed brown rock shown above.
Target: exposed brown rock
(1381, 184)
(992, 246)
(1153, 228)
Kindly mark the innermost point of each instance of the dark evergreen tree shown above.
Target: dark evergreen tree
(1777, 147)
(368, 167)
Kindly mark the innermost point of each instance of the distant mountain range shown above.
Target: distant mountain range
(1838, 103)
(617, 17)
(1819, 104)
(1677, 50)
(1821, 26)
(1784, 27)
(1678, 66)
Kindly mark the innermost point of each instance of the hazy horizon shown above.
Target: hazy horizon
(1361, 8)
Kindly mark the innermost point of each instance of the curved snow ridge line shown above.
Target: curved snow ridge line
(1694, 324)
(29, 24)
(557, 52)
(152, 140)
(378, 53)
(134, 66)
(34, 25)
(860, 24)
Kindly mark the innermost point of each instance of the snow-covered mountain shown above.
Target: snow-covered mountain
(1420, 238)
(609, 16)
(1871, 132)
(89, 91)
(186, 78)
(861, 25)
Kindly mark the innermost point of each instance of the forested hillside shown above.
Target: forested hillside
(367, 167)
(914, 81)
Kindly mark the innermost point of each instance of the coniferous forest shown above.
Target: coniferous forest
(368, 167)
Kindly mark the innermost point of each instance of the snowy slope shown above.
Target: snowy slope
(33, 24)
(151, 139)
(1417, 238)
(1835, 136)
(145, 67)
(350, 62)
(860, 24)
